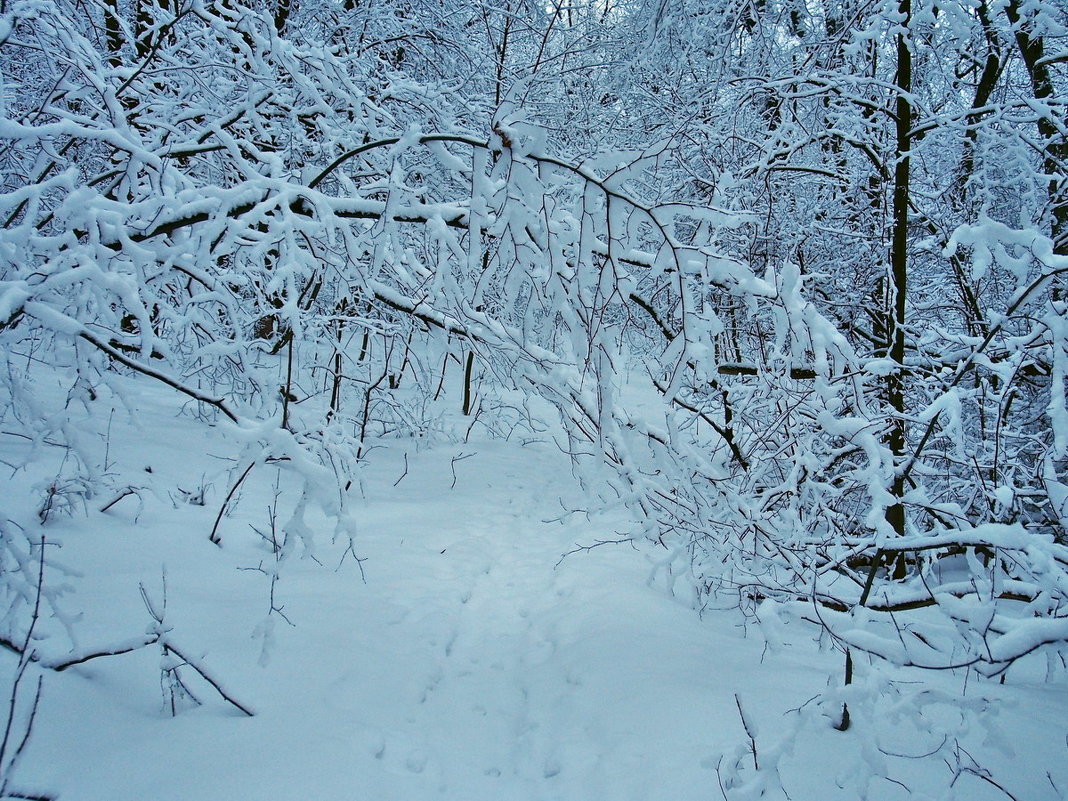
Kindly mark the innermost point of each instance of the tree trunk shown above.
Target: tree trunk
(1055, 144)
(898, 284)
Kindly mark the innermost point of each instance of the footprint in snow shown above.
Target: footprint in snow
(416, 761)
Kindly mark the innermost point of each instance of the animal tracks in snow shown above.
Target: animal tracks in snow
(483, 642)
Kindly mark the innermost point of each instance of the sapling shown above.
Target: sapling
(18, 721)
(276, 540)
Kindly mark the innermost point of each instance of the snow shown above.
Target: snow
(675, 569)
(463, 658)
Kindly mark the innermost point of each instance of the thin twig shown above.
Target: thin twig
(222, 509)
(204, 675)
(458, 458)
(586, 548)
(124, 494)
(405, 473)
(59, 667)
(748, 731)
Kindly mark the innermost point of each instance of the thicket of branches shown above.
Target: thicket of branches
(826, 247)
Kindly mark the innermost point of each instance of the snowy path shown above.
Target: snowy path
(469, 666)
(508, 677)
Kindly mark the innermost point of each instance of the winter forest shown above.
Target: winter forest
(575, 399)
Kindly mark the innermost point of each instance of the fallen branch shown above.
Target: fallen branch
(215, 684)
(135, 645)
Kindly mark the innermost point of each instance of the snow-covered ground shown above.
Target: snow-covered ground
(464, 661)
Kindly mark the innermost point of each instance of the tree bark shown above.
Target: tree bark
(898, 284)
(1055, 145)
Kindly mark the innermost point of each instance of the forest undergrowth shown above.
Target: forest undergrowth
(782, 288)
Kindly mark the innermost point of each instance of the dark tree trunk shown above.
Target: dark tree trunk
(898, 294)
(1055, 144)
(113, 32)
